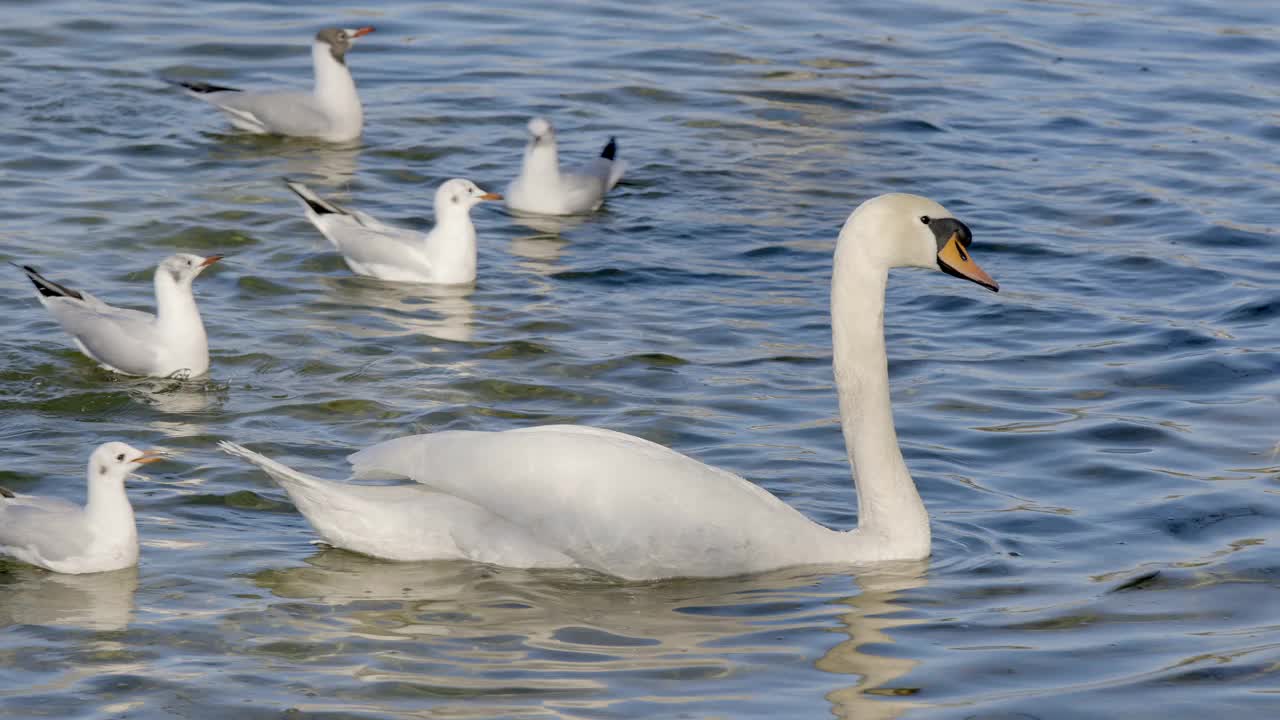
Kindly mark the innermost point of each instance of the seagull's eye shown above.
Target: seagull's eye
(925, 219)
(120, 457)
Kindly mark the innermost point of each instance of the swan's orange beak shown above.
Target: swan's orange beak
(491, 196)
(955, 260)
(211, 260)
(362, 32)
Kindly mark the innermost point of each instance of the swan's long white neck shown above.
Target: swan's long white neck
(451, 245)
(335, 89)
(891, 515)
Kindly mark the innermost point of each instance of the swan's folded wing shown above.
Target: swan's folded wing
(612, 502)
(47, 528)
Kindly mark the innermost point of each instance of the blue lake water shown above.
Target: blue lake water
(1096, 443)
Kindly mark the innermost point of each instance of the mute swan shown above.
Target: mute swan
(68, 538)
(543, 189)
(566, 495)
(332, 111)
(171, 343)
(446, 255)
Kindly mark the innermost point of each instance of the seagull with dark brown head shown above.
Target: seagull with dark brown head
(331, 111)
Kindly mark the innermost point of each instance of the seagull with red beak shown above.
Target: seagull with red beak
(57, 535)
(171, 343)
(446, 255)
(331, 111)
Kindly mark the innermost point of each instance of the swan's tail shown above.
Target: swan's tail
(287, 477)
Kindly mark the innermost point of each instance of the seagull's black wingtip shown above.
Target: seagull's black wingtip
(47, 287)
(610, 149)
(204, 88)
(317, 204)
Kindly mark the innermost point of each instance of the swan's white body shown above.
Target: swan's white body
(171, 343)
(332, 111)
(68, 538)
(543, 189)
(446, 255)
(584, 497)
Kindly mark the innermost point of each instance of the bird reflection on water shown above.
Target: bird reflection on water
(555, 638)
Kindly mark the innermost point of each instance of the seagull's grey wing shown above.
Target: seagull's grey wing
(582, 192)
(377, 246)
(326, 214)
(50, 528)
(606, 166)
(285, 113)
(368, 221)
(126, 340)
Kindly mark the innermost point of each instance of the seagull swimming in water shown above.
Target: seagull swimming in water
(67, 538)
(543, 189)
(331, 111)
(446, 255)
(171, 343)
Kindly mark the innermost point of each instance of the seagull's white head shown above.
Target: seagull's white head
(898, 230)
(540, 128)
(115, 460)
(460, 193)
(184, 267)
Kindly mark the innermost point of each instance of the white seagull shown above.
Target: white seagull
(446, 255)
(331, 111)
(574, 496)
(171, 343)
(542, 189)
(67, 538)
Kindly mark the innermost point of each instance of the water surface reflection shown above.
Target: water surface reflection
(98, 601)
(560, 637)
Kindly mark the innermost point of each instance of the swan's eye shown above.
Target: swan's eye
(925, 219)
(120, 457)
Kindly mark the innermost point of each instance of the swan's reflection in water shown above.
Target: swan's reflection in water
(571, 639)
(98, 601)
(873, 613)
